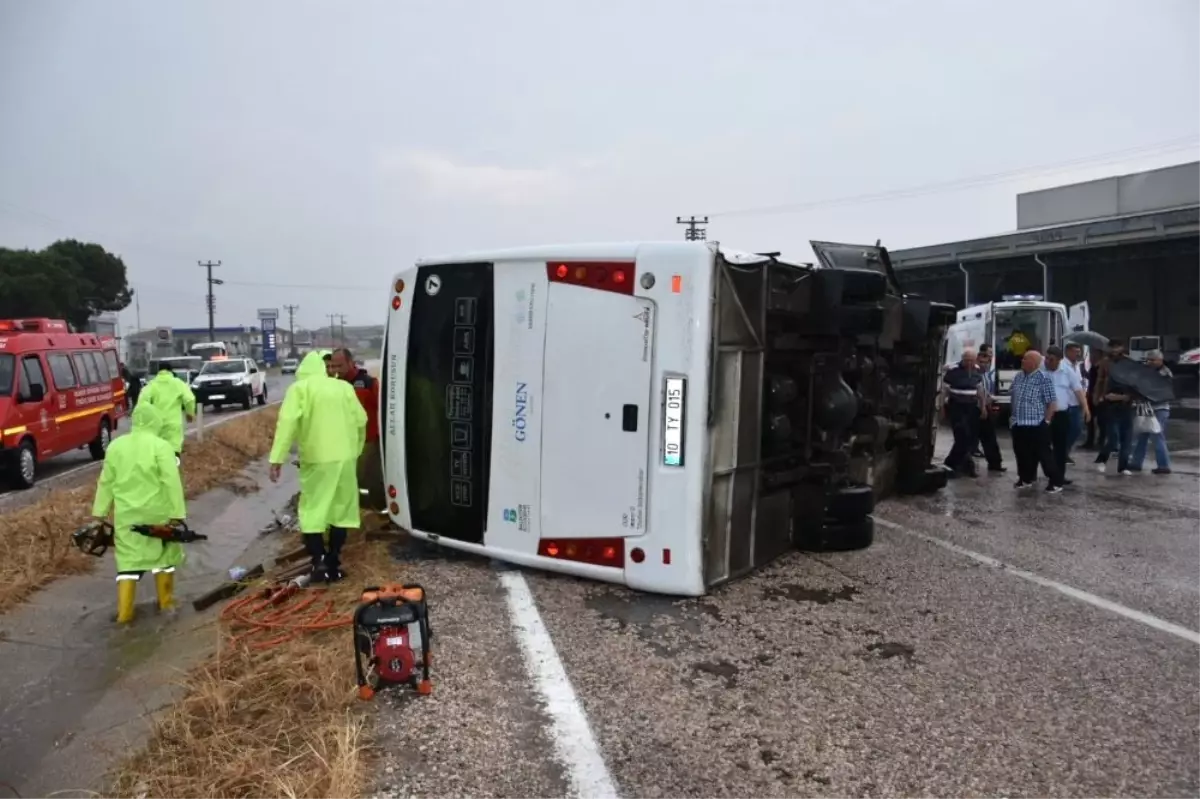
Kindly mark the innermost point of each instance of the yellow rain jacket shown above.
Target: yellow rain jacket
(325, 420)
(171, 397)
(140, 484)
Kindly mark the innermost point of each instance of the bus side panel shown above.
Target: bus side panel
(514, 502)
(675, 508)
(391, 413)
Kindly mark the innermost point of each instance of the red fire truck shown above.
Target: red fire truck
(59, 391)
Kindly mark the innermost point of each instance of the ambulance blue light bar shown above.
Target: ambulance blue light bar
(1023, 298)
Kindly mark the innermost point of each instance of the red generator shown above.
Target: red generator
(392, 639)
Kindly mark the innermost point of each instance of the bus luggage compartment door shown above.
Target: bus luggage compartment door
(596, 414)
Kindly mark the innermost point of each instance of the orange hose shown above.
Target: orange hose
(265, 612)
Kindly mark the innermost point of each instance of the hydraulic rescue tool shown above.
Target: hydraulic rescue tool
(393, 637)
(176, 531)
(94, 538)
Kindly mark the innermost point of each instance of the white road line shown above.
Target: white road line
(577, 749)
(1083, 596)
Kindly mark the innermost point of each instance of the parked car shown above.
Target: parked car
(230, 381)
(289, 366)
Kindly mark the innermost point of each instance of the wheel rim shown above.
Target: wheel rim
(105, 437)
(27, 465)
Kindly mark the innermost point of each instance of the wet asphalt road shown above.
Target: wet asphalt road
(906, 669)
(71, 468)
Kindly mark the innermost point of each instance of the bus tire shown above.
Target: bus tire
(836, 535)
(850, 502)
(927, 481)
(24, 465)
(99, 445)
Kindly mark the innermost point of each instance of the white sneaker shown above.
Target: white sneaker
(1126, 473)
(1102, 467)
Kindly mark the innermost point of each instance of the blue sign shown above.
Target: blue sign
(269, 352)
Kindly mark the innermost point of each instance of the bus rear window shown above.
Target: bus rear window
(448, 400)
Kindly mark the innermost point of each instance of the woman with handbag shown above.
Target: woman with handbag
(1151, 423)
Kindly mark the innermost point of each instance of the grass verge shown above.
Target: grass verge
(284, 721)
(35, 545)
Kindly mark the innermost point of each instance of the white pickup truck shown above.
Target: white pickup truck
(230, 381)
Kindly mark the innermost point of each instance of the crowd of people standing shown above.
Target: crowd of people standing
(1052, 403)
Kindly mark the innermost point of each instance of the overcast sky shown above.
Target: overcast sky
(317, 147)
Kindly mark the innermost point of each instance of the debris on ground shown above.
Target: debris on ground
(35, 546)
(274, 713)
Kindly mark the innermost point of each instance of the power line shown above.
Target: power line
(1172, 145)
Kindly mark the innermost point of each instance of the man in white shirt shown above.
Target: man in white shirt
(1080, 414)
(1068, 396)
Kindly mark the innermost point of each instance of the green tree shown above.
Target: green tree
(69, 280)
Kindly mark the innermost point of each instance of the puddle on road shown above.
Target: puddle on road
(664, 623)
(85, 675)
(821, 596)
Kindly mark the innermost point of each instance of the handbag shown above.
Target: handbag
(1144, 420)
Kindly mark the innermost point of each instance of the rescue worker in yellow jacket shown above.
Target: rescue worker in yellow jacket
(323, 417)
(171, 397)
(140, 484)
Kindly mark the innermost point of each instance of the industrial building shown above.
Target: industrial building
(1128, 245)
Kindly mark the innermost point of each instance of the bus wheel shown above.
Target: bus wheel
(99, 445)
(926, 481)
(24, 470)
(850, 502)
(834, 535)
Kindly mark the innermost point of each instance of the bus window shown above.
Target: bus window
(61, 371)
(86, 369)
(447, 426)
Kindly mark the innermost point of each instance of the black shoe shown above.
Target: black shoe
(998, 468)
(1022, 484)
(1052, 489)
(1066, 482)
(334, 575)
(1161, 471)
(977, 453)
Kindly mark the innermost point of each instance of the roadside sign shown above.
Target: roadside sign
(268, 313)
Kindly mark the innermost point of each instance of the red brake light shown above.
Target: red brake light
(601, 275)
(637, 555)
(597, 551)
(395, 303)
(392, 492)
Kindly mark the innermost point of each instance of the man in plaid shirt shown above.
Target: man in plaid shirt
(1033, 405)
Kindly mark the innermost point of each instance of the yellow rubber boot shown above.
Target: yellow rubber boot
(164, 584)
(126, 594)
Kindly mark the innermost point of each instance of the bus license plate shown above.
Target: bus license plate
(673, 421)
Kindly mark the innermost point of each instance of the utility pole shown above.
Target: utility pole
(340, 340)
(342, 333)
(695, 230)
(212, 303)
(291, 309)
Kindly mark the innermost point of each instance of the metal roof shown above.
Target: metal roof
(1130, 228)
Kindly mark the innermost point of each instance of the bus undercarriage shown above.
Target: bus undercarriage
(823, 400)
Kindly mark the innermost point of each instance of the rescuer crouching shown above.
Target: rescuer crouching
(322, 416)
(965, 405)
(140, 484)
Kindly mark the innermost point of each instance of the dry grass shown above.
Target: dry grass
(280, 722)
(35, 546)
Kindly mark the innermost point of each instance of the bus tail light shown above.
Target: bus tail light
(614, 276)
(596, 551)
(396, 303)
